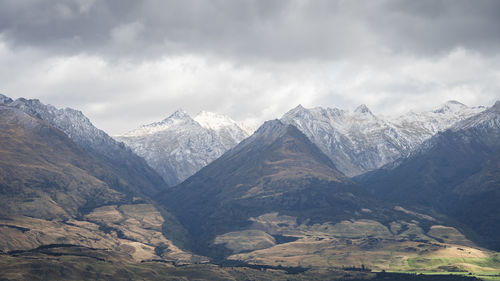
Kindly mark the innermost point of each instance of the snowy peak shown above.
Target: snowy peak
(178, 118)
(450, 106)
(359, 141)
(298, 111)
(214, 121)
(363, 109)
(5, 99)
(271, 129)
(440, 119)
(496, 106)
(489, 118)
(179, 145)
(298, 108)
(179, 114)
(208, 120)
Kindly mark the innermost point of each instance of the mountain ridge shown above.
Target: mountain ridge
(95, 141)
(360, 141)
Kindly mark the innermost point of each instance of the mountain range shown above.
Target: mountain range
(319, 188)
(357, 142)
(360, 141)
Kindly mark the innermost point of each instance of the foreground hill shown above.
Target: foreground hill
(54, 193)
(277, 199)
(456, 172)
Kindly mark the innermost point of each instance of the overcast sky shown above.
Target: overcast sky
(128, 62)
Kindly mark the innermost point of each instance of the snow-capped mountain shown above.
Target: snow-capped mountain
(455, 172)
(93, 140)
(358, 141)
(179, 146)
(489, 119)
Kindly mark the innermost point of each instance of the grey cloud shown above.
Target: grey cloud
(128, 62)
(266, 29)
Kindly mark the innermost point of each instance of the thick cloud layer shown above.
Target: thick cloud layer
(272, 29)
(126, 62)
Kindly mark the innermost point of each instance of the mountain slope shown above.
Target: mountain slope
(179, 146)
(275, 198)
(359, 141)
(96, 142)
(456, 172)
(259, 175)
(55, 194)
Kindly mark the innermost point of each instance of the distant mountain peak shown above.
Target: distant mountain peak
(299, 107)
(275, 123)
(359, 141)
(214, 121)
(496, 106)
(450, 106)
(487, 118)
(5, 99)
(363, 109)
(180, 145)
(271, 128)
(298, 110)
(179, 114)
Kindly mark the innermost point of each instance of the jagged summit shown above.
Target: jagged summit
(271, 127)
(179, 114)
(362, 109)
(5, 99)
(298, 110)
(489, 118)
(496, 106)
(211, 120)
(177, 118)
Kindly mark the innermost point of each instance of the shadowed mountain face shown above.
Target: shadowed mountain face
(276, 170)
(456, 172)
